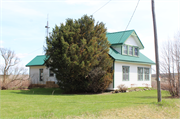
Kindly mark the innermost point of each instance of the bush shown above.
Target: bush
(165, 86)
(98, 80)
(122, 88)
(115, 91)
(15, 85)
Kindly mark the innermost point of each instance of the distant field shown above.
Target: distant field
(40, 103)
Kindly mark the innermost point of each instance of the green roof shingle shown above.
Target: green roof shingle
(121, 37)
(118, 37)
(37, 61)
(113, 38)
(140, 59)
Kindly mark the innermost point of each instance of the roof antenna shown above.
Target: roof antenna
(47, 26)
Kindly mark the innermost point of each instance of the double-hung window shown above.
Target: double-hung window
(136, 51)
(143, 74)
(130, 50)
(140, 73)
(146, 74)
(125, 49)
(125, 73)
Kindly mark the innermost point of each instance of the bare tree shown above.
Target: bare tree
(10, 68)
(170, 64)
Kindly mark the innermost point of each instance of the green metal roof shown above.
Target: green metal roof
(37, 61)
(120, 37)
(114, 38)
(142, 59)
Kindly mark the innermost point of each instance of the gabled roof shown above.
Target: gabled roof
(37, 61)
(142, 59)
(116, 38)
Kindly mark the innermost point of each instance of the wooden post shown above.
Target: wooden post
(156, 53)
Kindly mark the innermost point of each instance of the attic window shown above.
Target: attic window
(130, 50)
(136, 51)
(125, 49)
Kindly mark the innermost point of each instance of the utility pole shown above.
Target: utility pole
(156, 53)
(47, 26)
(179, 77)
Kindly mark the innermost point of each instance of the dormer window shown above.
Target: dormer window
(130, 50)
(136, 51)
(125, 50)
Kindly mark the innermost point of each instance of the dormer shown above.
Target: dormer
(125, 42)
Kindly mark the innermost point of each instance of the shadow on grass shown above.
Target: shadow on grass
(40, 91)
(147, 97)
(49, 91)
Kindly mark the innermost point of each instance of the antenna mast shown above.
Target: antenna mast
(47, 26)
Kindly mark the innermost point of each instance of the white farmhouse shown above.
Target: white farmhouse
(131, 67)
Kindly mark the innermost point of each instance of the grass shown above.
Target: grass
(40, 103)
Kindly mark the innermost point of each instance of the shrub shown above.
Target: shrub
(165, 86)
(98, 80)
(15, 84)
(116, 91)
(122, 88)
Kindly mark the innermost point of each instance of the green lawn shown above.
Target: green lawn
(40, 103)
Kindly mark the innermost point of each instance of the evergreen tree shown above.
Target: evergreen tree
(75, 51)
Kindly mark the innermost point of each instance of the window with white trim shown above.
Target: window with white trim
(146, 74)
(125, 50)
(140, 73)
(125, 73)
(143, 74)
(130, 50)
(136, 51)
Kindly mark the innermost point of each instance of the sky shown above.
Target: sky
(23, 22)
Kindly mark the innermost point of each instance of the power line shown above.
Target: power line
(34, 50)
(101, 7)
(129, 21)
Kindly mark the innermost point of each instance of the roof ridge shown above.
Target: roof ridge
(122, 31)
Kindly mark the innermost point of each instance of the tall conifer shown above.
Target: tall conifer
(78, 54)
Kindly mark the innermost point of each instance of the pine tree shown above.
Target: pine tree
(77, 49)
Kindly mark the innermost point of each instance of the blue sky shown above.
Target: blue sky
(23, 21)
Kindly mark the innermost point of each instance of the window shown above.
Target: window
(41, 74)
(125, 50)
(136, 51)
(143, 74)
(140, 73)
(130, 50)
(125, 73)
(146, 74)
(51, 73)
